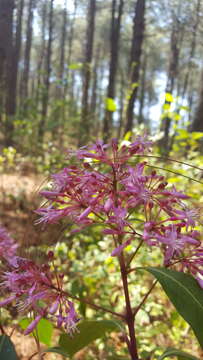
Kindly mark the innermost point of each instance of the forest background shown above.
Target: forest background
(72, 71)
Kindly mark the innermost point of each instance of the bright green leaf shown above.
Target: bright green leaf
(44, 329)
(196, 135)
(185, 294)
(177, 117)
(180, 355)
(183, 134)
(88, 331)
(166, 106)
(185, 108)
(110, 104)
(128, 135)
(169, 97)
(75, 66)
(7, 349)
(134, 85)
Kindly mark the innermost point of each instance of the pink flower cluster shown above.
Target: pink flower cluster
(7, 245)
(35, 288)
(112, 188)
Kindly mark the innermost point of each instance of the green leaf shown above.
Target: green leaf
(169, 97)
(75, 66)
(185, 108)
(110, 104)
(57, 350)
(166, 106)
(44, 329)
(196, 135)
(185, 294)
(7, 349)
(127, 135)
(181, 355)
(88, 331)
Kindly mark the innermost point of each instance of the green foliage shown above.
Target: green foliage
(180, 355)
(88, 331)
(110, 105)
(185, 294)
(75, 66)
(44, 330)
(7, 350)
(169, 97)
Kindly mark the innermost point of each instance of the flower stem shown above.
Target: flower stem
(129, 316)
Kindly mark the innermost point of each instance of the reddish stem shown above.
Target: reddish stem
(129, 317)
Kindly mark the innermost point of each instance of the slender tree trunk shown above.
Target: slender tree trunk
(94, 94)
(121, 103)
(115, 39)
(197, 124)
(136, 52)
(85, 120)
(63, 46)
(16, 58)
(192, 49)
(69, 56)
(6, 52)
(60, 94)
(6, 64)
(172, 75)
(26, 70)
(42, 53)
(142, 90)
(45, 97)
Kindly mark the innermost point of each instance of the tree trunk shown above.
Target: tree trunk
(141, 119)
(69, 83)
(6, 62)
(26, 70)
(16, 58)
(135, 59)
(42, 53)
(45, 98)
(172, 75)
(85, 120)
(192, 49)
(63, 47)
(94, 94)
(115, 39)
(6, 52)
(197, 124)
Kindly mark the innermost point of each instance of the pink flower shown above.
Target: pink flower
(120, 248)
(35, 288)
(7, 245)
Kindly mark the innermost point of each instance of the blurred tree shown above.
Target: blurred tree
(27, 54)
(6, 65)
(116, 16)
(85, 114)
(135, 60)
(197, 124)
(45, 97)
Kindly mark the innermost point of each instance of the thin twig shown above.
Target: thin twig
(145, 298)
(97, 307)
(176, 173)
(170, 159)
(133, 255)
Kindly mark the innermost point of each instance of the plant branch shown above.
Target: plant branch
(133, 255)
(94, 306)
(145, 298)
